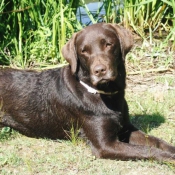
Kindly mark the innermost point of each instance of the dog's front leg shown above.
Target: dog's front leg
(124, 151)
(106, 143)
(137, 137)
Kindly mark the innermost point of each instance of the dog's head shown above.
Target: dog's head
(97, 52)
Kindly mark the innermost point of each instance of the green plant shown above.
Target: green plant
(73, 134)
(93, 18)
(113, 11)
(5, 133)
(149, 15)
(35, 31)
(171, 16)
(138, 14)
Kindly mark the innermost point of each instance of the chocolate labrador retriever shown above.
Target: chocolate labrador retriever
(88, 93)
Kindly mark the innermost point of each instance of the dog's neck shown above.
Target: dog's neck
(95, 91)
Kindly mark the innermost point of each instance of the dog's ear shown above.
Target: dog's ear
(126, 39)
(69, 53)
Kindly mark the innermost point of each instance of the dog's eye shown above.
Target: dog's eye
(108, 44)
(83, 51)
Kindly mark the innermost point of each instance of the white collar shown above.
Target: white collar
(95, 91)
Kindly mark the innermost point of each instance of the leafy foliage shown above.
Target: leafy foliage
(150, 16)
(34, 32)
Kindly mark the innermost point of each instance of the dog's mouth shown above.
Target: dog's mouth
(102, 80)
(105, 84)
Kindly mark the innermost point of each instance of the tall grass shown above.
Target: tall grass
(149, 16)
(113, 10)
(145, 17)
(108, 11)
(33, 32)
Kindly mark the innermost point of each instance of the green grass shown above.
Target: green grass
(153, 111)
(150, 17)
(23, 155)
(34, 32)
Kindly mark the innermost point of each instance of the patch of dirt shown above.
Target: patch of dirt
(155, 82)
(150, 67)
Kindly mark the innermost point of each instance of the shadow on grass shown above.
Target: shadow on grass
(147, 122)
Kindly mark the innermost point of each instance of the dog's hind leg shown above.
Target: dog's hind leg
(7, 120)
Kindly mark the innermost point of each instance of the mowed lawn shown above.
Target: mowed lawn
(151, 102)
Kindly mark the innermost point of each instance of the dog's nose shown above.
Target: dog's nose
(100, 70)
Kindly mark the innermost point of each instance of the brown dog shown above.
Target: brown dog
(88, 93)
